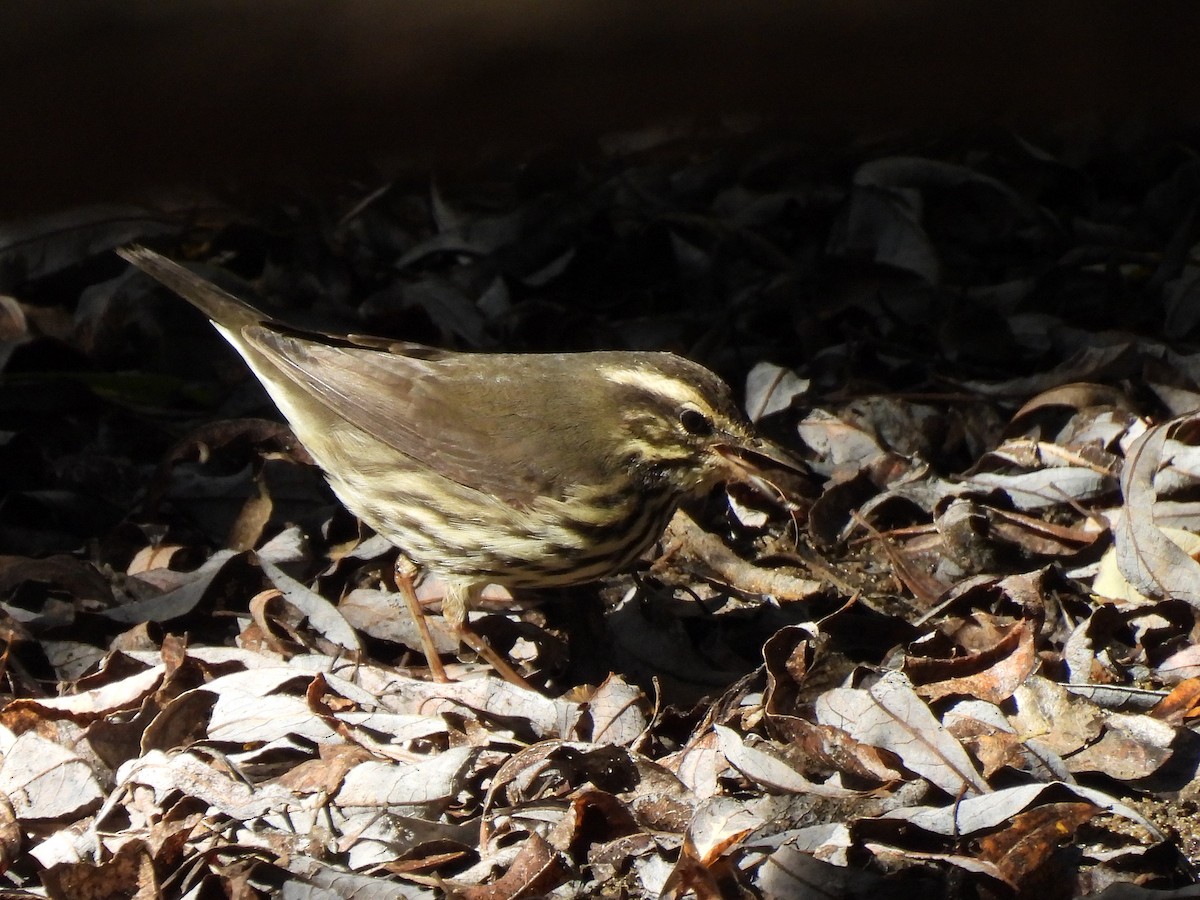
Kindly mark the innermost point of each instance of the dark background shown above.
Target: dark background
(112, 101)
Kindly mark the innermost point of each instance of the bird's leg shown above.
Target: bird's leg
(480, 645)
(405, 572)
(454, 608)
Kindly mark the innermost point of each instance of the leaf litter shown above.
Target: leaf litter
(955, 656)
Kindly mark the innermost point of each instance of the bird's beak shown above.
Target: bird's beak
(749, 456)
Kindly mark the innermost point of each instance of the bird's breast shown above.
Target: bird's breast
(549, 543)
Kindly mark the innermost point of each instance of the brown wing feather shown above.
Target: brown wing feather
(450, 411)
(446, 411)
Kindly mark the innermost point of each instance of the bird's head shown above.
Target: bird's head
(680, 427)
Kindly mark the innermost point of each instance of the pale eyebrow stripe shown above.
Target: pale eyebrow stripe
(654, 382)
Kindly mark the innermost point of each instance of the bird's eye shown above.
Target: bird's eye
(695, 422)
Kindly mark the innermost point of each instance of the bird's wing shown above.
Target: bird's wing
(440, 409)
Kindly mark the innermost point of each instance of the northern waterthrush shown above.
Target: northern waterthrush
(522, 470)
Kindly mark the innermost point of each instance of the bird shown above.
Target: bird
(524, 470)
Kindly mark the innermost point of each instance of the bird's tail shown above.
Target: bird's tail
(222, 307)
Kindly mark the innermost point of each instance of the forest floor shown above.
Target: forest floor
(956, 658)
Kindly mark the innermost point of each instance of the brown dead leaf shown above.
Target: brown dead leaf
(1077, 395)
(718, 826)
(265, 434)
(10, 834)
(14, 326)
(771, 389)
(686, 541)
(127, 693)
(45, 781)
(788, 656)
(429, 784)
(1111, 584)
(152, 557)
(832, 516)
(1038, 537)
(991, 673)
(698, 765)
(174, 653)
(1183, 665)
(890, 715)
(191, 774)
(180, 722)
(380, 614)
(1153, 564)
(789, 872)
(321, 615)
(966, 534)
(176, 593)
(835, 749)
(839, 446)
(769, 766)
(128, 873)
(1030, 838)
(1130, 747)
(925, 588)
(618, 713)
(1181, 704)
(247, 529)
(72, 576)
(690, 877)
(326, 773)
(141, 637)
(536, 869)
(994, 748)
(594, 817)
(1048, 713)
